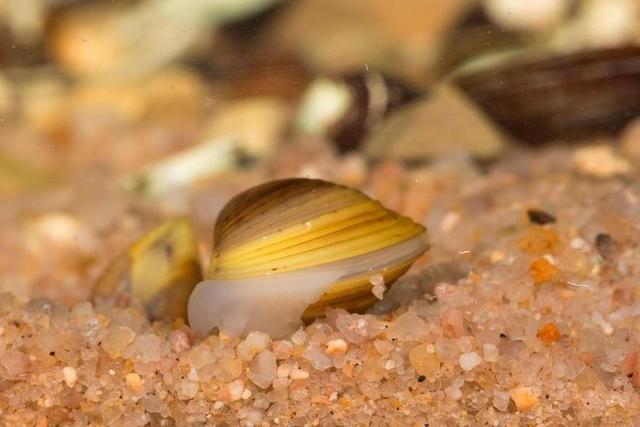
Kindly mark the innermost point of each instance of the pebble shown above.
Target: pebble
(253, 344)
(468, 361)
(452, 323)
(283, 371)
(235, 390)
(262, 370)
(119, 337)
(540, 217)
(496, 256)
(193, 375)
(435, 131)
(355, 328)
(501, 400)
(524, 398)
(257, 123)
(383, 347)
(598, 319)
(538, 239)
(424, 362)
(246, 394)
(378, 288)
(607, 23)
(408, 327)
(282, 349)
(549, 333)
(179, 341)
(147, 347)
(449, 221)
(187, 390)
(579, 244)
(600, 161)
(15, 362)
(299, 337)
(453, 393)
(298, 374)
(526, 16)
(70, 375)
(317, 357)
(542, 271)
(133, 381)
(490, 352)
(336, 346)
(200, 356)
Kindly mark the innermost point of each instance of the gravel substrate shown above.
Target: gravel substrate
(538, 326)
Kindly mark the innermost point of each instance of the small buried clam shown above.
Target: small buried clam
(285, 250)
(160, 269)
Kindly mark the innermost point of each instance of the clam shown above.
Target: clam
(286, 250)
(160, 269)
(563, 97)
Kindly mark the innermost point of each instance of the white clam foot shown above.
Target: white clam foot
(271, 304)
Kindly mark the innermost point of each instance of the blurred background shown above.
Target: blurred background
(115, 115)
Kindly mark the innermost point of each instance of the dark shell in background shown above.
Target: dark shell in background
(262, 68)
(373, 97)
(566, 97)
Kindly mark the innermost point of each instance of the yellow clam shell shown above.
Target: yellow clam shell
(298, 225)
(161, 269)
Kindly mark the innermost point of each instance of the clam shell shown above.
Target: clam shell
(307, 224)
(161, 269)
(570, 96)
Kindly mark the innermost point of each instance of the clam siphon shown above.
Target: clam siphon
(285, 250)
